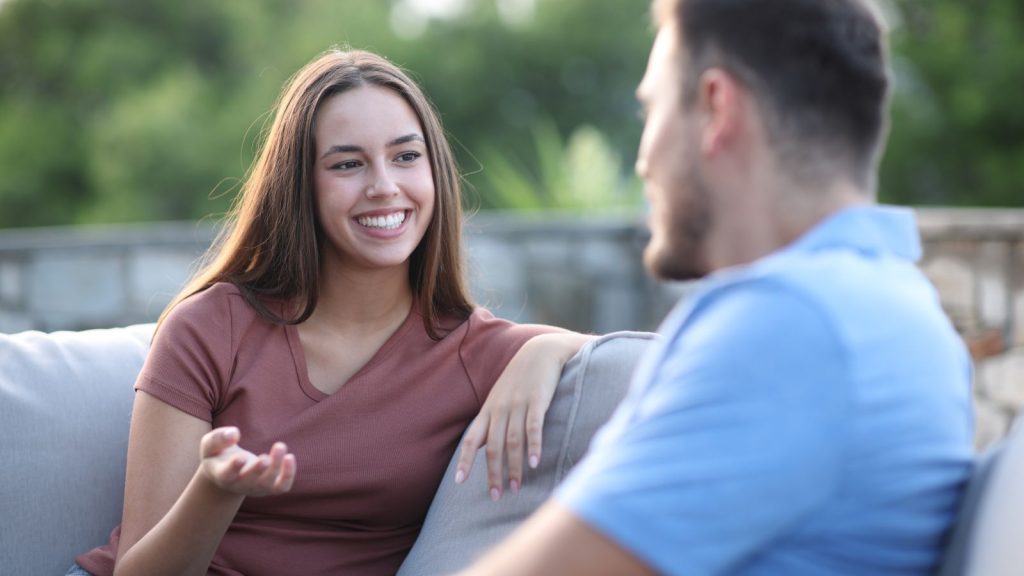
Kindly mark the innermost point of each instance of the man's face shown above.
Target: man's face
(668, 162)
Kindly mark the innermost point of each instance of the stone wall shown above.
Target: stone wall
(68, 278)
(976, 259)
(580, 272)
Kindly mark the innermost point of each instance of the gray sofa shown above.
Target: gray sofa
(65, 403)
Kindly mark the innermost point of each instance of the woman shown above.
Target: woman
(333, 317)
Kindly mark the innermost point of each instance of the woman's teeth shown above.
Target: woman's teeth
(389, 222)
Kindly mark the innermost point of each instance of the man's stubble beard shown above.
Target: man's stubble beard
(682, 255)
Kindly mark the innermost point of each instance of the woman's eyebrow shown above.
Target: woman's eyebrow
(342, 148)
(405, 139)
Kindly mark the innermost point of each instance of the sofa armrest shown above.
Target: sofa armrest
(463, 522)
(65, 405)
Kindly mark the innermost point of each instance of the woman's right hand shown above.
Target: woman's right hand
(239, 471)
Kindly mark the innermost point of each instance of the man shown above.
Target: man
(808, 410)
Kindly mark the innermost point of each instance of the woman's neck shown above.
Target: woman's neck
(361, 300)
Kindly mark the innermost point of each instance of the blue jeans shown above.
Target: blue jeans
(77, 570)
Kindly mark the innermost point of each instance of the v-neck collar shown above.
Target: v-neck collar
(302, 370)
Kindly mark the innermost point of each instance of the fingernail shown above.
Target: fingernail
(495, 494)
(514, 486)
(460, 476)
(230, 433)
(534, 460)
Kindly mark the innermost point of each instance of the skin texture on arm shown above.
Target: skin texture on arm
(513, 414)
(554, 541)
(179, 501)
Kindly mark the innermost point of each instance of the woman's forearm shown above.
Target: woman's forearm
(560, 346)
(186, 538)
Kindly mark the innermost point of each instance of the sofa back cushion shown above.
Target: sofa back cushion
(463, 522)
(986, 540)
(65, 403)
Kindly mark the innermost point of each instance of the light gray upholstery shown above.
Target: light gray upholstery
(65, 405)
(988, 539)
(463, 521)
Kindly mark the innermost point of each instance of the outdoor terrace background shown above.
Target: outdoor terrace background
(581, 272)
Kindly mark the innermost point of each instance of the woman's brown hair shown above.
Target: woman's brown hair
(270, 244)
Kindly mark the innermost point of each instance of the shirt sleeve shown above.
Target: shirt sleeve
(730, 442)
(189, 363)
(489, 345)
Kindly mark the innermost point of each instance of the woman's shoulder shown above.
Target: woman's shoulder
(484, 326)
(221, 302)
(458, 324)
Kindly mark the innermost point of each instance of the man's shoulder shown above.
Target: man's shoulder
(850, 287)
(751, 316)
(840, 295)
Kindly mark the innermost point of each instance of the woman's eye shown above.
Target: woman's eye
(408, 156)
(346, 165)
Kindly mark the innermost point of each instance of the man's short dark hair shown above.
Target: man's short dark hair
(817, 67)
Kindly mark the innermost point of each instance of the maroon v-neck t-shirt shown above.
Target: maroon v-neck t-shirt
(370, 456)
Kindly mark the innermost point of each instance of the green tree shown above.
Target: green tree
(115, 110)
(958, 125)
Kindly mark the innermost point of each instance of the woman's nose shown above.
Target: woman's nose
(382, 185)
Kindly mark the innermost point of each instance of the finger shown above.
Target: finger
(534, 434)
(495, 450)
(234, 468)
(227, 472)
(218, 440)
(514, 450)
(274, 459)
(472, 440)
(254, 468)
(287, 476)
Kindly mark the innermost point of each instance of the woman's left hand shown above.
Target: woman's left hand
(514, 410)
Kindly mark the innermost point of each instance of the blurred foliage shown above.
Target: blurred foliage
(957, 136)
(119, 110)
(584, 173)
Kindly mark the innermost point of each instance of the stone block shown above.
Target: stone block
(565, 300)
(985, 343)
(554, 250)
(607, 258)
(12, 290)
(991, 422)
(614, 308)
(1017, 338)
(155, 275)
(12, 322)
(954, 280)
(1017, 286)
(497, 278)
(993, 283)
(76, 288)
(1001, 379)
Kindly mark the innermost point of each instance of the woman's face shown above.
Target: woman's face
(374, 185)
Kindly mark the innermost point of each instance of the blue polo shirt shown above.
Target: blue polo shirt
(809, 413)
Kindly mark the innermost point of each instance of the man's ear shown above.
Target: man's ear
(720, 111)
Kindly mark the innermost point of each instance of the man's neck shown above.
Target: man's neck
(779, 215)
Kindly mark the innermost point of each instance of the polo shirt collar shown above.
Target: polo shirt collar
(870, 228)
